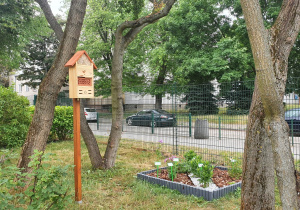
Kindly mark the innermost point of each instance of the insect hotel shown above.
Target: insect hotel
(81, 75)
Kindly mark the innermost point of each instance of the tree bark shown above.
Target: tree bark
(121, 43)
(270, 49)
(160, 81)
(90, 140)
(44, 111)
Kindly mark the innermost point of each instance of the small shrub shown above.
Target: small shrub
(62, 127)
(235, 170)
(47, 191)
(14, 118)
(205, 173)
(189, 155)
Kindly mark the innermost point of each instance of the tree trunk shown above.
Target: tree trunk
(160, 81)
(258, 167)
(121, 43)
(44, 111)
(117, 101)
(270, 49)
(90, 140)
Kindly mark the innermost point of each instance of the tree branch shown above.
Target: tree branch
(286, 28)
(51, 19)
(147, 19)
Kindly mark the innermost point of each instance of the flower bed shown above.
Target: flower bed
(187, 189)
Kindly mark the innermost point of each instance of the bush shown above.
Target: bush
(62, 127)
(14, 118)
(48, 189)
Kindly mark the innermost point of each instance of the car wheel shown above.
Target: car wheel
(129, 122)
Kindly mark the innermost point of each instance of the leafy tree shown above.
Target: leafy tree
(271, 47)
(14, 28)
(200, 100)
(98, 38)
(44, 111)
(238, 96)
(38, 60)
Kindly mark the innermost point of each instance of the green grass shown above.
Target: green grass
(118, 188)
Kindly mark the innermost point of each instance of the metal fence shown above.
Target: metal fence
(209, 118)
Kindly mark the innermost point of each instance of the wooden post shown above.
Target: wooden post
(77, 156)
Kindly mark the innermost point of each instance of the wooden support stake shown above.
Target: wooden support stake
(77, 156)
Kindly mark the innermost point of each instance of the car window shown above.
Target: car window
(292, 113)
(148, 112)
(140, 113)
(162, 111)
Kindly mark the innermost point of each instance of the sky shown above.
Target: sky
(55, 6)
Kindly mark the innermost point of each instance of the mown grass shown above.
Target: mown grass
(118, 188)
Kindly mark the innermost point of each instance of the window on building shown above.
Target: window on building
(27, 88)
(20, 88)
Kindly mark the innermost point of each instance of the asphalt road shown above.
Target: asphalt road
(223, 139)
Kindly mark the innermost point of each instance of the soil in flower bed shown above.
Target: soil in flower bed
(220, 177)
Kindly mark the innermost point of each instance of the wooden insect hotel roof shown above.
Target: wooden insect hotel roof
(77, 56)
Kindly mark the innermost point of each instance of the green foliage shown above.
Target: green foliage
(38, 56)
(238, 95)
(14, 118)
(204, 173)
(47, 191)
(62, 128)
(190, 155)
(235, 170)
(200, 100)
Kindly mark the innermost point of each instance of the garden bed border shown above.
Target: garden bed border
(187, 189)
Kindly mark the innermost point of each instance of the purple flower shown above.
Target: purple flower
(161, 141)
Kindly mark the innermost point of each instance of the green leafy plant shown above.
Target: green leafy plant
(189, 155)
(62, 127)
(48, 190)
(235, 170)
(194, 163)
(174, 169)
(204, 173)
(14, 118)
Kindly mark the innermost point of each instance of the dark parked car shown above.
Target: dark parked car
(292, 117)
(144, 118)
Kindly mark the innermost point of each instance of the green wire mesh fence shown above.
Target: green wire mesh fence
(210, 118)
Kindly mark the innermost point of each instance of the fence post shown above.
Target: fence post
(292, 125)
(97, 121)
(219, 128)
(34, 99)
(190, 124)
(152, 122)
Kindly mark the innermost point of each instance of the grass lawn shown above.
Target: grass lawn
(118, 188)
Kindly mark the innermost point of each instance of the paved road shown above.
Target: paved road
(219, 139)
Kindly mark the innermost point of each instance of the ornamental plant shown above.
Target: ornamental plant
(204, 172)
(174, 167)
(235, 170)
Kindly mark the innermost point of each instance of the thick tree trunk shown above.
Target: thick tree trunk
(44, 111)
(270, 49)
(90, 140)
(258, 166)
(117, 101)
